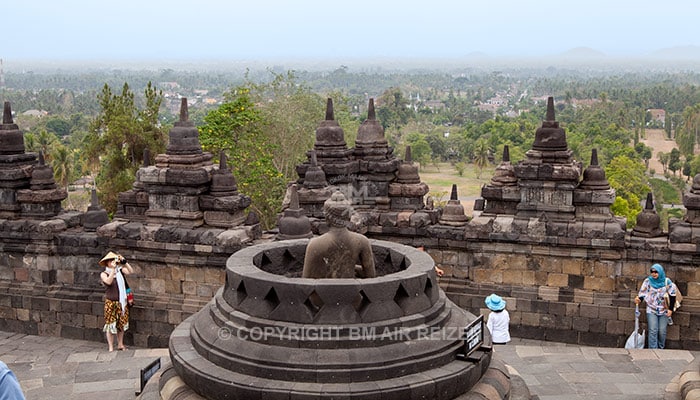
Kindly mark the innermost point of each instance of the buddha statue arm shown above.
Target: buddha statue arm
(367, 259)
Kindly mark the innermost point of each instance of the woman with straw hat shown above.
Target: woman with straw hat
(115, 310)
(499, 320)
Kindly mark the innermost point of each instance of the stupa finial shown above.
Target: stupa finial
(329, 110)
(7, 114)
(184, 114)
(550, 109)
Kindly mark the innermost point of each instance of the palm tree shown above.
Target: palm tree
(481, 155)
(62, 165)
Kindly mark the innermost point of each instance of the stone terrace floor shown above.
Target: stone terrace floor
(57, 368)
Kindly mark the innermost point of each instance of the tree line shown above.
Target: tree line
(265, 122)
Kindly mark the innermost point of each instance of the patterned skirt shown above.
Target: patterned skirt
(115, 320)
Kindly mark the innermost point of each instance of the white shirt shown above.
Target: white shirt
(497, 324)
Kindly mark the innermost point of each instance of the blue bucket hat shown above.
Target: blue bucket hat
(495, 302)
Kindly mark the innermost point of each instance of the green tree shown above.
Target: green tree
(236, 127)
(393, 109)
(420, 148)
(689, 134)
(62, 164)
(289, 113)
(481, 155)
(674, 160)
(664, 159)
(644, 152)
(118, 136)
(628, 178)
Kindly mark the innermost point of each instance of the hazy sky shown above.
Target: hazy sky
(315, 29)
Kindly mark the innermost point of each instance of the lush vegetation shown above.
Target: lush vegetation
(265, 121)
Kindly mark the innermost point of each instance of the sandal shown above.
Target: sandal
(123, 348)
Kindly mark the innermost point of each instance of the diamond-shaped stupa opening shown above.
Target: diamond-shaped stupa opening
(361, 302)
(314, 303)
(272, 299)
(241, 292)
(289, 261)
(401, 296)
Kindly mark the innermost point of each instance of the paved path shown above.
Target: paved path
(560, 371)
(56, 368)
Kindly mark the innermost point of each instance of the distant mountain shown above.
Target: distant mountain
(678, 53)
(582, 52)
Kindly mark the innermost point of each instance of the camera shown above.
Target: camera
(122, 261)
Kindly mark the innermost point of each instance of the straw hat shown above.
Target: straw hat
(495, 302)
(106, 259)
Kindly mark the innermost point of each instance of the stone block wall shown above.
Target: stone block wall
(570, 294)
(50, 284)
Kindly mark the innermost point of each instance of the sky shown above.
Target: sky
(325, 29)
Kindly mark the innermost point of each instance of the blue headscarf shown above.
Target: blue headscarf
(660, 280)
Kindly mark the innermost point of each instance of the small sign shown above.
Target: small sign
(474, 335)
(148, 372)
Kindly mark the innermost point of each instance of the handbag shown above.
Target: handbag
(667, 297)
(129, 294)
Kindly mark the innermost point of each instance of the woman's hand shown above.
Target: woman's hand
(668, 313)
(637, 300)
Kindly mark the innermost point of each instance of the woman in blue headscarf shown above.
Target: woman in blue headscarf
(655, 286)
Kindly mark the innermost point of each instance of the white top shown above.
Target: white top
(498, 326)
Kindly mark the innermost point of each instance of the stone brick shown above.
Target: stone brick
(524, 305)
(607, 313)
(40, 303)
(48, 317)
(694, 289)
(572, 309)
(530, 319)
(571, 266)
(681, 318)
(49, 329)
(215, 276)
(580, 324)
(615, 327)
(625, 314)
(598, 284)
(22, 314)
(72, 332)
(194, 274)
(588, 311)
(561, 335)
(673, 332)
(450, 257)
(157, 286)
(541, 278)
(93, 321)
(513, 277)
(558, 280)
(177, 273)
(597, 325)
(189, 288)
(540, 306)
(515, 317)
(205, 291)
(547, 321)
(173, 286)
(65, 277)
(489, 276)
(21, 274)
(527, 332)
(556, 308)
(551, 265)
(174, 317)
